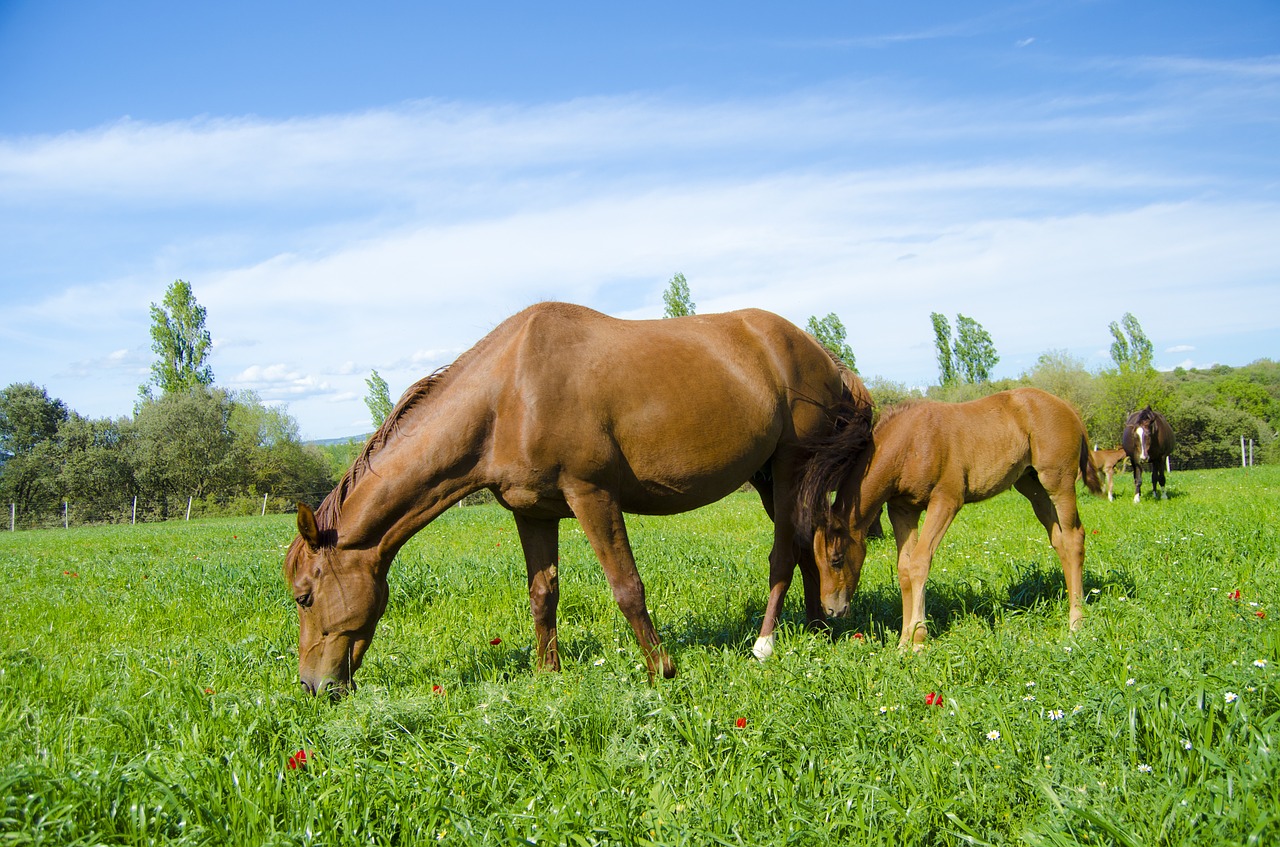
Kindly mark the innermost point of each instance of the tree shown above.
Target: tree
(975, 353)
(28, 415)
(677, 299)
(179, 338)
(378, 399)
(968, 358)
(830, 333)
(1130, 348)
(942, 342)
(184, 445)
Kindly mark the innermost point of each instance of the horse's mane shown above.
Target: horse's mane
(331, 508)
(832, 457)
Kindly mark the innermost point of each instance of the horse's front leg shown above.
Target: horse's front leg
(600, 515)
(540, 540)
(914, 561)
(1137, 482)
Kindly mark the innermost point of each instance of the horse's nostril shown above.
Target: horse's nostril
(306, 686)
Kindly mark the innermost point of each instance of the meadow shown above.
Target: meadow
(148, 693)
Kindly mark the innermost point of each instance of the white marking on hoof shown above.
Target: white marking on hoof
(1137, 498)
(1111, 497)
(763, 648)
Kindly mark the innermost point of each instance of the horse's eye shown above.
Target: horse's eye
(304, 600)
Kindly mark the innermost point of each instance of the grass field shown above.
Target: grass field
(148, 694)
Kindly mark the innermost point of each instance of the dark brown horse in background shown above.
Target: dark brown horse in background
(933, 458)
(1109, 462)
(563, 412)
(1148, 439)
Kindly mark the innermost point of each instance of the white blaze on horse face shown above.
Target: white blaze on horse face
(1141, 433)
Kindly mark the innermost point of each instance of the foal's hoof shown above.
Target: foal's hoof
(763, 647)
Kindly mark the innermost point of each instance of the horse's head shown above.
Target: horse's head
(839, 551)
(341, 594)
(1138, 437)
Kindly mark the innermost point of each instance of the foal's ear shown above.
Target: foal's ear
(307, 526)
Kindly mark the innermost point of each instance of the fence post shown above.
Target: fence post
(264, 506)
(13, 516)
(1242, 462)
(1250, 452)
(135, 510)
(189, 508)
(66, 521)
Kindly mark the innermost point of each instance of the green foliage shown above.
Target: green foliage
(28, 415)
(1131, 350)
(179, 338)
(378, 399)
(969, 357)
(974, 351)
(942, 343)
(831, 334)
(678, 301)
(147, 689)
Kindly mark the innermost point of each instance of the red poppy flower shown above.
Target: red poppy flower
(298, 760)
(1234, 595)
(208, 691)
(858, 635)
(933, 699)
(435, 689)
(1097, 531)
(495, 641)
(1260, 613)
(740, 723)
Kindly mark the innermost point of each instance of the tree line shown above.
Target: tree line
(188, 443)
(192, 443)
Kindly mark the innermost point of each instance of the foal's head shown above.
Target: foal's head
(839, 550)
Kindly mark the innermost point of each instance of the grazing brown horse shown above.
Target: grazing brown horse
(1109, 462)
(1148, 438)
(935, 457)
(563, 412)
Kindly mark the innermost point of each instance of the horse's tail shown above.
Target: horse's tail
(832, 457)
(1088, 470)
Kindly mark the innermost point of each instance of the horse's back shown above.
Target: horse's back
(674, 413)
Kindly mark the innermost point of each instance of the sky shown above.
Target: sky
(357, 187)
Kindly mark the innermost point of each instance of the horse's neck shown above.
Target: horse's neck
(431, 463)
(866, 489)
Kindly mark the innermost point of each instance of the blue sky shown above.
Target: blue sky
(351, 187)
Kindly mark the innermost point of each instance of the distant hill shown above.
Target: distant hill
(329, 442)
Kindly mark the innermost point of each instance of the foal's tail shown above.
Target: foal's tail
(832, 457)
(1088, 470)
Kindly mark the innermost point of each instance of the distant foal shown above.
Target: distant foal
(1109, 461)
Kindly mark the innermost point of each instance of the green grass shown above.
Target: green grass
(148, 695)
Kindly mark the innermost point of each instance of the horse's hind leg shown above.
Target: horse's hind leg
(1060, 516)
(540, 540)
(601, 518)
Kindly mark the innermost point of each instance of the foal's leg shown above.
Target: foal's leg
(914, 560)
(1060, 516)
(540, 540)
(601, 518)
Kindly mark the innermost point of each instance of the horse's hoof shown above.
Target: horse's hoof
(1137, 498)
(763, 647)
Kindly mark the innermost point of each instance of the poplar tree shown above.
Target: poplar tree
(181, 341)
(677, 299)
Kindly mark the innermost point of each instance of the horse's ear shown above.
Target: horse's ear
(307, 526)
